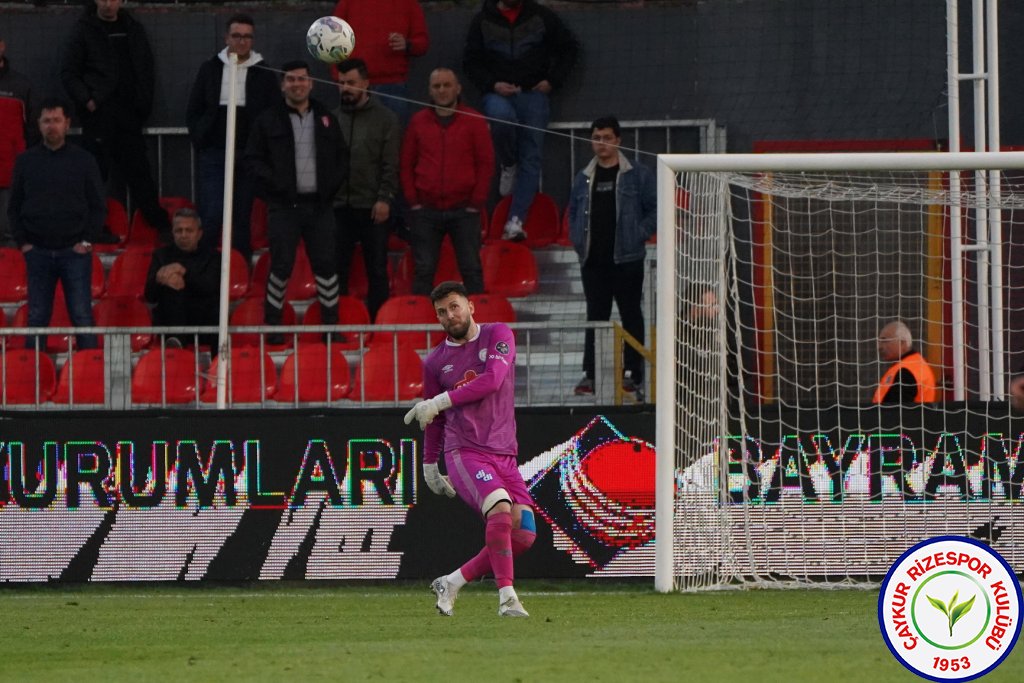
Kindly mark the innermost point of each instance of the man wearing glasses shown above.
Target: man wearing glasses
(206, 116)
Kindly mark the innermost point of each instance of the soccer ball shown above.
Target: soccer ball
(330, 39)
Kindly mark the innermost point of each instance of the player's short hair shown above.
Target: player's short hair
(607, 122)
(51, 103)
(293, 65)
(240, 18)
(186, 212)
(448, 287)
(354, 63)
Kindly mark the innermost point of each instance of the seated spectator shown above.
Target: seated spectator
(184, 281)
(909, 379)
(56, 211)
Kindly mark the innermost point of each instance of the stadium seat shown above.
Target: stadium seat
(301, 285)
(128, 273)
(18, 369)
(258, 235)
(13, 276)
(351, 311)
(375, 379)
(55, 343)
(98, 283)
(309, 364)
(170, 377)
(447, 269)
(249, 312)
(124, 311)
(238, 283)
(542, 221)
(411, 309)
(248, 382)
(142, 234)
(510, 269)
(89, 386)
(492, 308)
(116, 224)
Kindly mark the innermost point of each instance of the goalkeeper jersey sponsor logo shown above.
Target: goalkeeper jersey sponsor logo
(949, 609)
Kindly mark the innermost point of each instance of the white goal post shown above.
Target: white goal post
(775, 274)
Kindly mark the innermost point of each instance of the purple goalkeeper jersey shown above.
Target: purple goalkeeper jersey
(480, 378)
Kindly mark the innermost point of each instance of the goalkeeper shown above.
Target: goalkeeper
(469, 417)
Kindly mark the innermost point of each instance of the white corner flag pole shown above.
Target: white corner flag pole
(225, 237)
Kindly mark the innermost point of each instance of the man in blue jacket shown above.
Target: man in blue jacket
(612, 213)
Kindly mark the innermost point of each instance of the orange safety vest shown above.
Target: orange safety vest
(922, 372)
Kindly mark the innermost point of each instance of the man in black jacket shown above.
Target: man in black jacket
(56, 211)
(107, 69)
(206, 117)
(184, 281)
(299, 159)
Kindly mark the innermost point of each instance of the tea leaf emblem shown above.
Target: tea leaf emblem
(954, 612)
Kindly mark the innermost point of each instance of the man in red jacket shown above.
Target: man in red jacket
(446, 166)
(388, 33)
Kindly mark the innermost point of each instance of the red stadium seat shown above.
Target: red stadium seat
(510, 269)
(351, 311)
(408, 310)
(309, 364)
(98, 283)
(447, 269)
(116, 224)
(82, 379)
(252, 377)
(492, 308)
(170, 377)
(249, 312)
(376, 379)
(541, 225)
(259, 237)
(55, 343)
(128, 274)
(13, 276)
(18, 375)
(301, 285)
(238, 283)
(124, 311)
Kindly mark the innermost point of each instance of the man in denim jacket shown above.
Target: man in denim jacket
(612, 213)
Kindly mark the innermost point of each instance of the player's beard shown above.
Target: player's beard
(458, 331)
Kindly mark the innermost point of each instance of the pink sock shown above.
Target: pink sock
(498, 536)
(522, 539)
(477, 567)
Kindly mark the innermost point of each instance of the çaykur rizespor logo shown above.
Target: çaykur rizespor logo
(949, 609)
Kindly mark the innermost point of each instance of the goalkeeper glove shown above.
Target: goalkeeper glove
(424, 412)
(438, 483)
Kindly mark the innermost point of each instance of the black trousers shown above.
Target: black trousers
(623, 284)
(175, 308)
(355, 226)
(429, 226)
(313, 223)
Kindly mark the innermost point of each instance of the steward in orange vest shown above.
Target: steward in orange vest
(908, 380)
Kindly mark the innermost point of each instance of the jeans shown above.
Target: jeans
(354, 226)
(399, 103)
(522, 144)
(210, 191)
(45, 268)
(429, 226)
(622, 283)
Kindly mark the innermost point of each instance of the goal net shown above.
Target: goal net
(776, 275)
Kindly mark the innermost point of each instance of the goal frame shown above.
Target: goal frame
(668, 166)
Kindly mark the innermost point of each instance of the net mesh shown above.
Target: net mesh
(786, 472)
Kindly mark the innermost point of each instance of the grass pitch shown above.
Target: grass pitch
(577, 631)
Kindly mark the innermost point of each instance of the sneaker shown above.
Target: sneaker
(514, 230)
(585, 387)
(631, 386)
(507, 180)
(446, 594)
(512, 608)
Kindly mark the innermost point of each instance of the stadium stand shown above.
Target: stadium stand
(510, 269)
(410, 309)
(170, 377)
(376, 378)
(252, 377)
(13, 277)
(124, 311)
(18, 370)
(116, 224)
(309, 366)
(82, 380)
(541, 225)
(301, 285)
(351, 311)
(127, 275)
(250, 312)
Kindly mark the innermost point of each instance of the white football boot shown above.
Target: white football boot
(446, 595)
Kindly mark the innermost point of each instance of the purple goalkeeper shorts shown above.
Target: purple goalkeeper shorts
(477, 475)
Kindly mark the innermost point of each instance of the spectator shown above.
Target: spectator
(207, 120)
(612, 214)
(447, 162)
(15, 114)
(517, 52)
(909, 379)
(362, 207)
(107, 69)
(388, 33)
(183, 281)
(297, 156)
(56, 210)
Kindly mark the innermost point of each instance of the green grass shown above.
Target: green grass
(577, 631)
